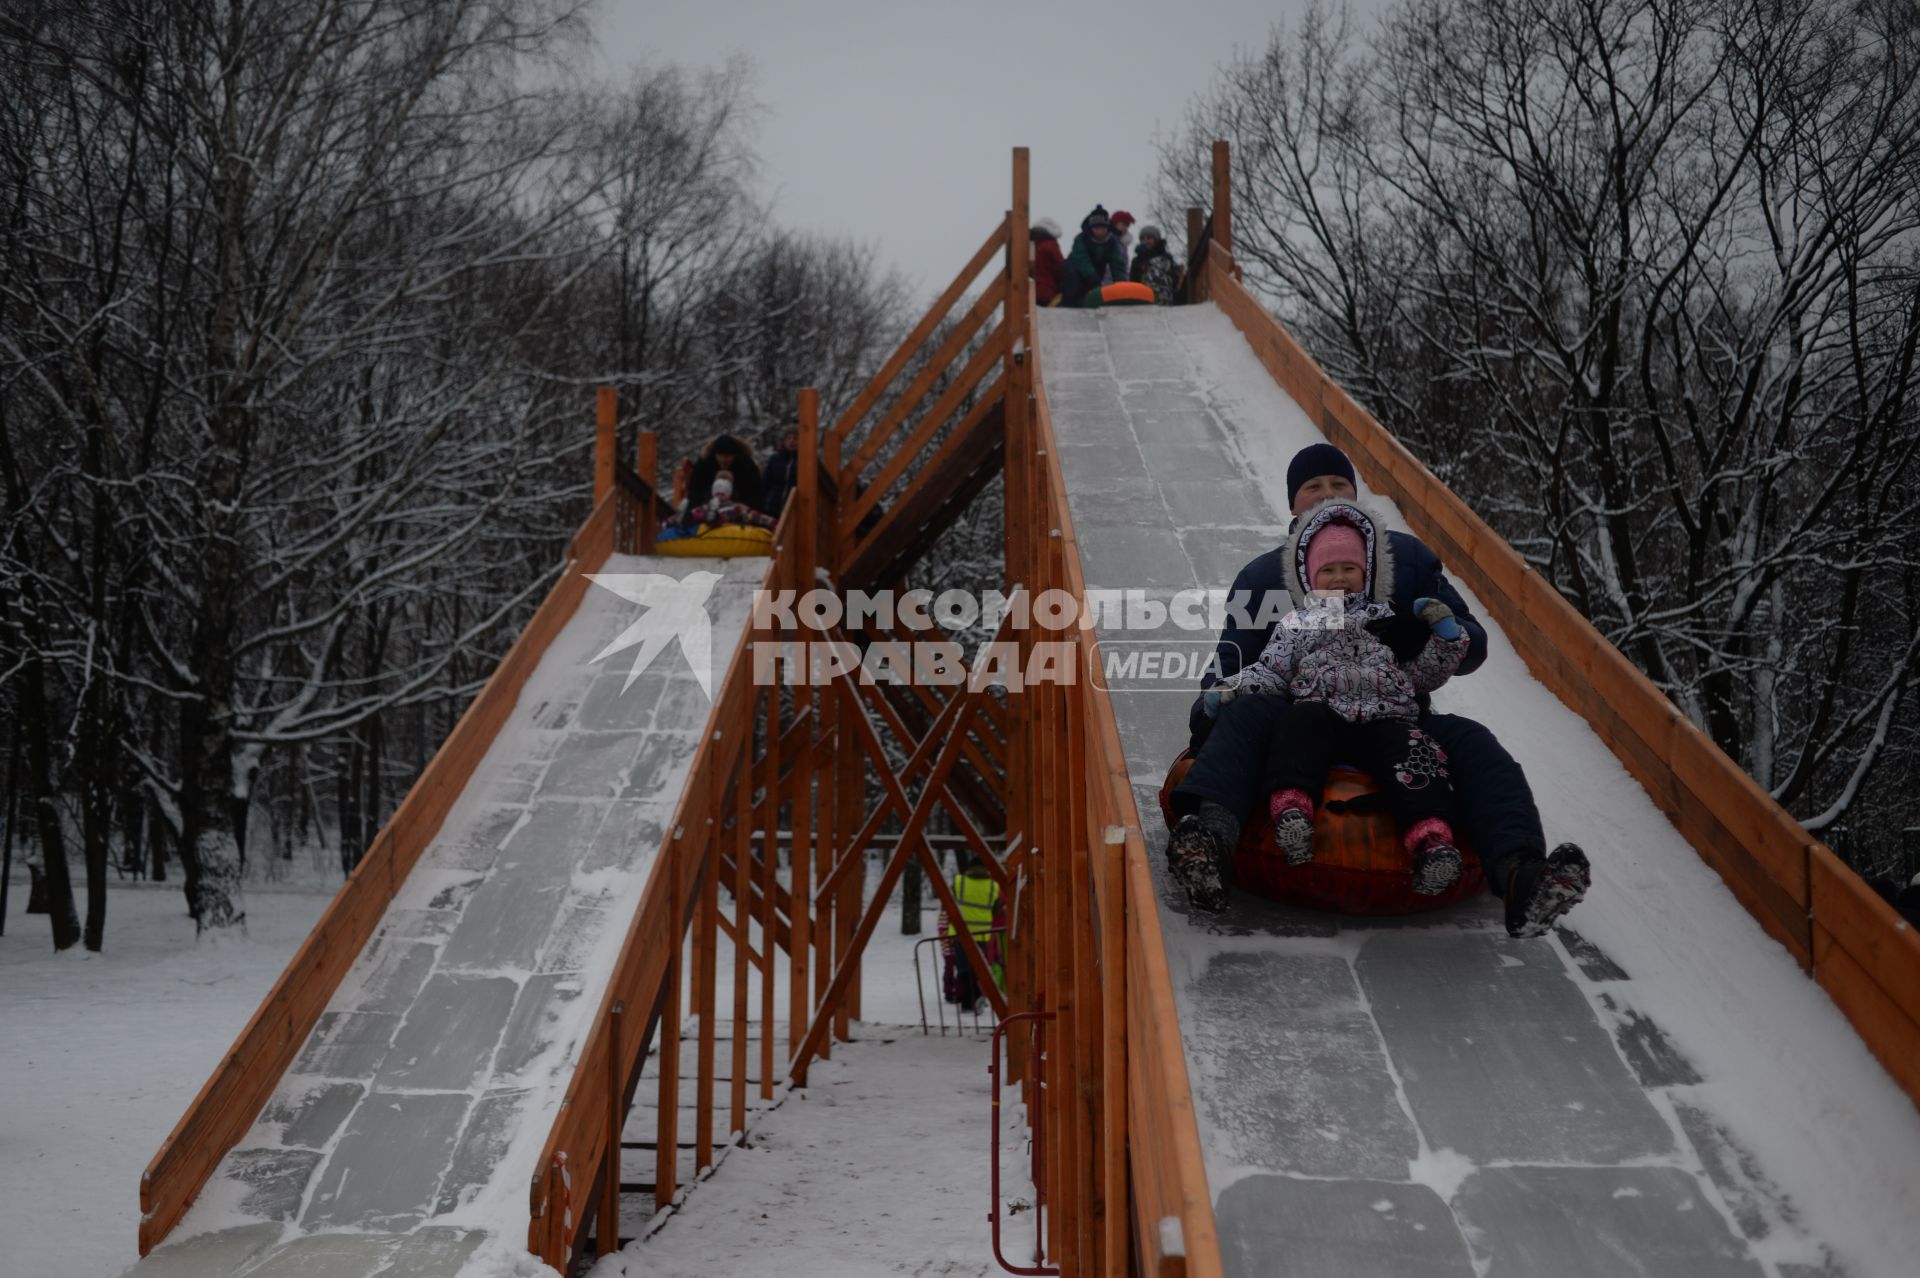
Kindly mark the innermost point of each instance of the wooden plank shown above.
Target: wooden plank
(1888, 1029)
(1222, 197)
(704, 976)
(769, 855)
(1884, 946)
(972, 376)
(606, 413)
(743, 954)
(666, 1169)
(940, 471)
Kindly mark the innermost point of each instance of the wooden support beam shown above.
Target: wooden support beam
(800, 853)
(1222, 196)
(769, 856)
(666, 1170)
(706, 946)
(606, 404)
(740, 932)
(895, 798)
(647, 464)
(607, 1237)
(813, 1042)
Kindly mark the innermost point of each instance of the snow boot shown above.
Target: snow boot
(1195, 854)
(1436, 867)
(1436, 861)
(1293, 825)
(1542, 888)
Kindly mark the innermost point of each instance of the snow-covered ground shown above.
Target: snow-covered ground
(100, 1054)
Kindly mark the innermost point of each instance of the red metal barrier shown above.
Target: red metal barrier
(1034, 1056)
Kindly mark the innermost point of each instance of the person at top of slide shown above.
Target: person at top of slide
(1096, 257)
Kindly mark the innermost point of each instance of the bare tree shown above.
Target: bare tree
(299, 303)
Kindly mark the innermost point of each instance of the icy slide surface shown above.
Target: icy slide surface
(404, 1137)
(1656, 1090)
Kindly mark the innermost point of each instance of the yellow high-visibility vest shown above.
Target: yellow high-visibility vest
(979, 897)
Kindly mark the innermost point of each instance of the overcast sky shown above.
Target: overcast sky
(893, 121)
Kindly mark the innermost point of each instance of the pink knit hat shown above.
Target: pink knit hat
(1335, 541)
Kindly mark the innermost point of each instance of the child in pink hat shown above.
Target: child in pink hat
(1353, 699)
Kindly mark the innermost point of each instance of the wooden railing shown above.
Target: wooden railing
(904, 453)
(1836, 928)
(231, 1100)
(1122, 1170)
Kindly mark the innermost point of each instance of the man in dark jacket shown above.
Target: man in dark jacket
(1496, 811)
(1095, 252)
(728, 454)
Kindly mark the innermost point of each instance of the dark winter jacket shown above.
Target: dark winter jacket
(1047, 265)
(1417, 573)
(1155, 267)
(1327, 650)
(783, 472)
(747, 487)
(1087, 265)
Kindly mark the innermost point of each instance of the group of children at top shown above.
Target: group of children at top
(1103, 253)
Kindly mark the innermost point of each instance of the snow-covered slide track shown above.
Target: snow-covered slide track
(1658, 1089)
(401, 1139)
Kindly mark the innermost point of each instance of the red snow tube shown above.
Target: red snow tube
(1358, 866)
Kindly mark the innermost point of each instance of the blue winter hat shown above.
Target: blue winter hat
(1314, 461)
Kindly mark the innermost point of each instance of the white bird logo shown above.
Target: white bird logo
(675, 609)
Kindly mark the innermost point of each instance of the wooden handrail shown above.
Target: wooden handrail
(1142, 1141)
(984, 363)
(869, 396)
(1851, 942)
(991, 299)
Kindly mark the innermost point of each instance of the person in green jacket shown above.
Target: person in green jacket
(1096, 258)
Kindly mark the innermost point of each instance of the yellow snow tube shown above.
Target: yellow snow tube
(727, 541)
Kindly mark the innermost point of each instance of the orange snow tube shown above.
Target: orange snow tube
(1359, 865)
(1126, 293)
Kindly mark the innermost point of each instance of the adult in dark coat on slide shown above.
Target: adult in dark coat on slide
(1496, 811)
(733, 456)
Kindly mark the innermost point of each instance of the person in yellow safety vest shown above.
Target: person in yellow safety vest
(979, 900)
